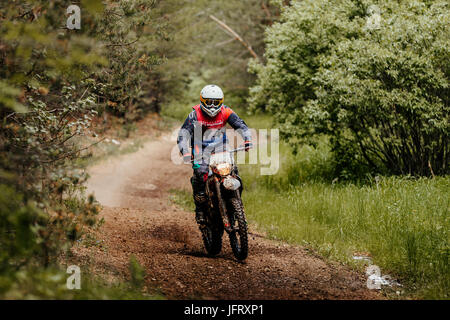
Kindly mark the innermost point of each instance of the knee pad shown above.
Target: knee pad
(200, 197)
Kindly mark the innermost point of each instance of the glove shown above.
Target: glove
(187, 158)
(248, 145)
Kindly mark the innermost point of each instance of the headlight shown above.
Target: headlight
(231, 183)
(224, 169)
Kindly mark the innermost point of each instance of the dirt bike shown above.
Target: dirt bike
(225, 208)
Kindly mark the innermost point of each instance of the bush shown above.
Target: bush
(20, 226)
(380, 93)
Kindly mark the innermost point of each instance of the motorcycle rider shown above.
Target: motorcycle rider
(204, 131)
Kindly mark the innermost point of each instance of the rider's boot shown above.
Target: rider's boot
(200, 208)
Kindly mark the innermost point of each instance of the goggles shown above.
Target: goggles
(215, 102)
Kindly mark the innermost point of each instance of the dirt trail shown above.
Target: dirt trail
(140, 220)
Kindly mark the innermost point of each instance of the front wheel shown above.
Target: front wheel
(212, 236)
(238, 236)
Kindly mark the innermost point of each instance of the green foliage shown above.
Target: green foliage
(53, 82)
(20, 226)
(32, 235)
(131, 32)
(201, 52)
(46, 104)
(51, 284)
(381, 93)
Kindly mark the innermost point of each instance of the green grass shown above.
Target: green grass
(182, 198)
(403, 222)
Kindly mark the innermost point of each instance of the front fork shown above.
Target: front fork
(222, 206)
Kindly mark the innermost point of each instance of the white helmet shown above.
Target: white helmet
(211, 98)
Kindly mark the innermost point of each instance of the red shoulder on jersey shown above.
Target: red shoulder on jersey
(219, 121)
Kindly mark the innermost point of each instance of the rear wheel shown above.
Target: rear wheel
(238, 237)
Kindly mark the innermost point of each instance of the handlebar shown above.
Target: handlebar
(237, 149)
(232, 150)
